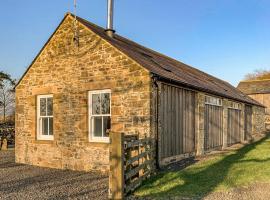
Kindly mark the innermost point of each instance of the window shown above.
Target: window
(45, 117)
(99, 115)
(234, 105)
(213, 101)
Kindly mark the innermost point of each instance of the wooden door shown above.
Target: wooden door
(176, 133)
(234, 126)
(213, 126)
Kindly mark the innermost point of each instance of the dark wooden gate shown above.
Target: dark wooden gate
(234, 126)
(213, 123)
(176, 123)
(248, 122)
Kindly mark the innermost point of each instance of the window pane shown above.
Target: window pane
(49, 106)
(97, 126)
(95, 104)
(50, 126)
(105, 103)
(106, 126)
(43, 107)
(44, 125)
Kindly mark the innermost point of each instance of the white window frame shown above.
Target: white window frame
(40, 136)
(235, 105)
(92, 138)
(214, 101)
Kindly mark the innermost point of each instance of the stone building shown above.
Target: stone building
(78, 90)
(260, 91)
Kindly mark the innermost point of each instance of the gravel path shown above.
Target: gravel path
(25, 182)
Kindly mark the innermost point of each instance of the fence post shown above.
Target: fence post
(4, 144)
(116, 174)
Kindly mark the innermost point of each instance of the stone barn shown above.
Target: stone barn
(260, 91)
(89, 83)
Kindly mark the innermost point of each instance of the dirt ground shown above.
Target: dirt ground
(26, 182)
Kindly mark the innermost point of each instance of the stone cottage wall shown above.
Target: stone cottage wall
(258, 120)
(265, 100)
(68, 72)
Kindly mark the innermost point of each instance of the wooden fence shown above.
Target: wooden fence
(7, 130)
(7, 137)
(131, 162)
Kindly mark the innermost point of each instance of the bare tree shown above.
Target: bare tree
(7, 95)
(259, 74)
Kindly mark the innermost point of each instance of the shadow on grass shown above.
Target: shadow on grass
(199, 180)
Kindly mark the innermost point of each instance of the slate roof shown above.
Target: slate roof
(255, 86)
(170, 69)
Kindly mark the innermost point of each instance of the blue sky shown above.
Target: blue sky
(225, 38)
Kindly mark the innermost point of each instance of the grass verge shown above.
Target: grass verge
(238, 168)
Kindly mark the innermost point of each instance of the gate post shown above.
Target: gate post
(4, 145)
(116, 173)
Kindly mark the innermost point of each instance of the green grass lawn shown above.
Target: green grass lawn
(242, 167)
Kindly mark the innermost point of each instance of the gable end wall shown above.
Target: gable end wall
(69, 72)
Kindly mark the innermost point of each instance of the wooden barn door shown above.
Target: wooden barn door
(213, 123)
(248, 122)
(234, 126)
(176, 133)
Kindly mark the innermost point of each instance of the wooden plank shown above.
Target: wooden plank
(181, 119)
(177, 135)
(163, 122)
(135, 184)
(128, 138)
(136, 143)
(184, 121)
(194, 120)
(166, 111)
(229, 127)
(170, 128)
(211, 127)
(216, 133)
(221, 126)
(136, 170)
(137, 157)
(189, 124)
(206, 127)
(173, 106)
